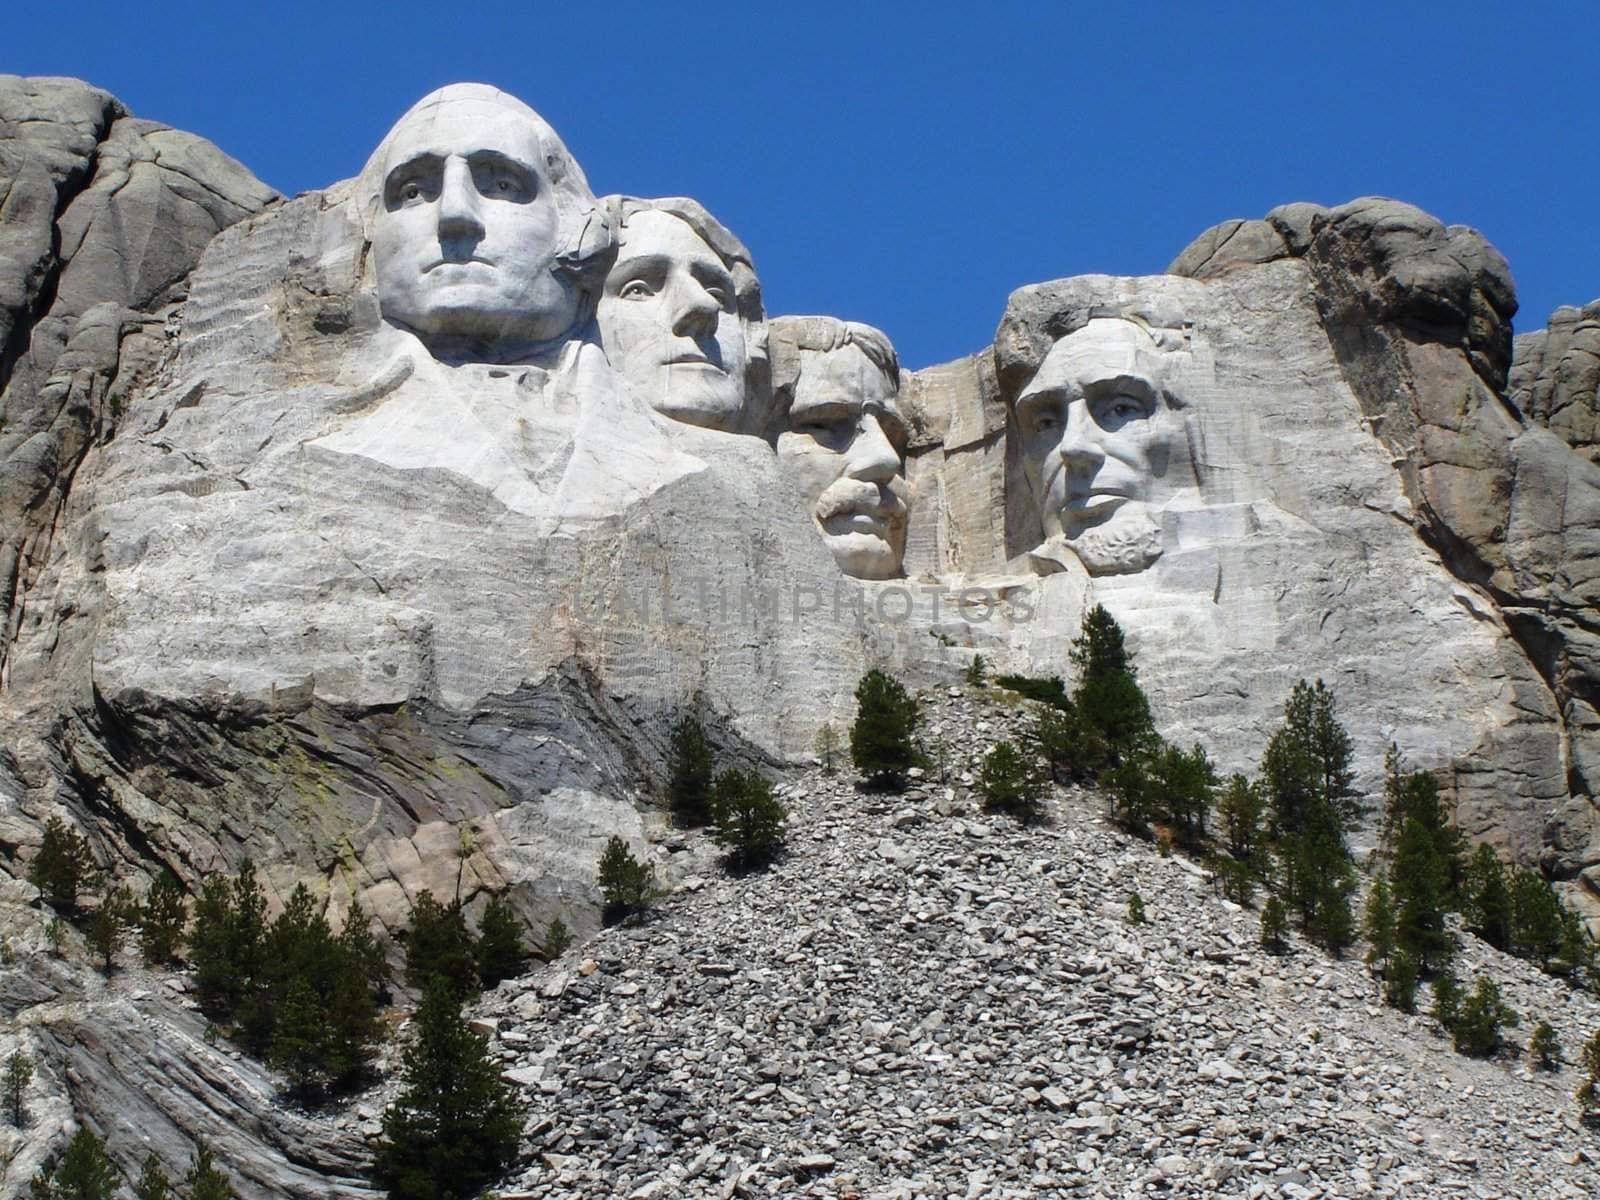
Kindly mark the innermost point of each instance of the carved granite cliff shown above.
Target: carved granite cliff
(337, 527)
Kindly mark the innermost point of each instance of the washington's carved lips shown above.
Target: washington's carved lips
(456, 262)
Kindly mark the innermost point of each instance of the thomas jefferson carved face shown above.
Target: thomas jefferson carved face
(1103, 447)
(670, 322)
(469, 223)
(843, 447)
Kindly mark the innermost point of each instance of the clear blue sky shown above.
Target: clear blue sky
(909, 164)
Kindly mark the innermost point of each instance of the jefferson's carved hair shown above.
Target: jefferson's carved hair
(746, 287)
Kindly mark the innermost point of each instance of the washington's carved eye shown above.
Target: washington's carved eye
(720, 295)
(411, 192)
(503, 185)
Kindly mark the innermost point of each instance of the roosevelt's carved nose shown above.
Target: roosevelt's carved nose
(872, 457)
(459, 218)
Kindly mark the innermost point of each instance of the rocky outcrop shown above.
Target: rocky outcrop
(102, 217)
(1493, 454)
(1555, 377)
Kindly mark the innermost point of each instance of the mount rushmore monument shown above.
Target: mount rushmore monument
(332, 526)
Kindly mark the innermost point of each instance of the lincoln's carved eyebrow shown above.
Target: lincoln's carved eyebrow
(1119, 383)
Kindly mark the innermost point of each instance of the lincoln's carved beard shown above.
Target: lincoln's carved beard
(1126, 541)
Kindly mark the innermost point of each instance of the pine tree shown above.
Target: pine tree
(107, 923)
(628, 885)
(204, 1180)
(1185, 785)
(245, 931)
(976, 674)
(1100, 649)
(14, 1085)
(153, 1183)
(689, 773)
(883, 738)
(1318, 881)
(1060, 740)
(1274, 926)
(748, 821)
(1377, 925)
(501, 951)
(1420, 880)
(1588, 1093)
(1536, 925)
(1488, 898)
(456, 1125)
(83, 1173)
(300, 1030)
(1307, 765)
(828, 747)
(557, 939)
(209, 956)
(63, 867)
(1414, 796)
(1011, 782)
(439, 946)
(1479, 1020)
(1108, 700)
(1544, 1047)
(1239, 812)
(362, 951)
(161, 920)
(1130, 793)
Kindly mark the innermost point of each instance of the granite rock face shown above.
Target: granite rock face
(329, 541)
(102, 217)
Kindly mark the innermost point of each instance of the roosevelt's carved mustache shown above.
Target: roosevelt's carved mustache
(850, 496)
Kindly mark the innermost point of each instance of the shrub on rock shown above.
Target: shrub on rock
(747, 819)
(628, 885)
(689, 777)
(1012, 782)
(883, 739)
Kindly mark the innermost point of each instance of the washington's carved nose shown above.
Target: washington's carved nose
(459, 218)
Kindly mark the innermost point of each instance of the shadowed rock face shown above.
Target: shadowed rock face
(295, 565)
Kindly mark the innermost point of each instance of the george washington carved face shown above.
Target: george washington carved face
(476, 202)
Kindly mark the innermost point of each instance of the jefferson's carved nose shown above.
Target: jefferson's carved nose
(695, 310)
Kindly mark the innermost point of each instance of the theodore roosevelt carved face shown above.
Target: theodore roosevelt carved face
(476, 205)
(840, 439)
(680, 313)
(1105, 443)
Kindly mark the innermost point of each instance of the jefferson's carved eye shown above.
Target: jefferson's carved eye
(719, 294)
(635, 289)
